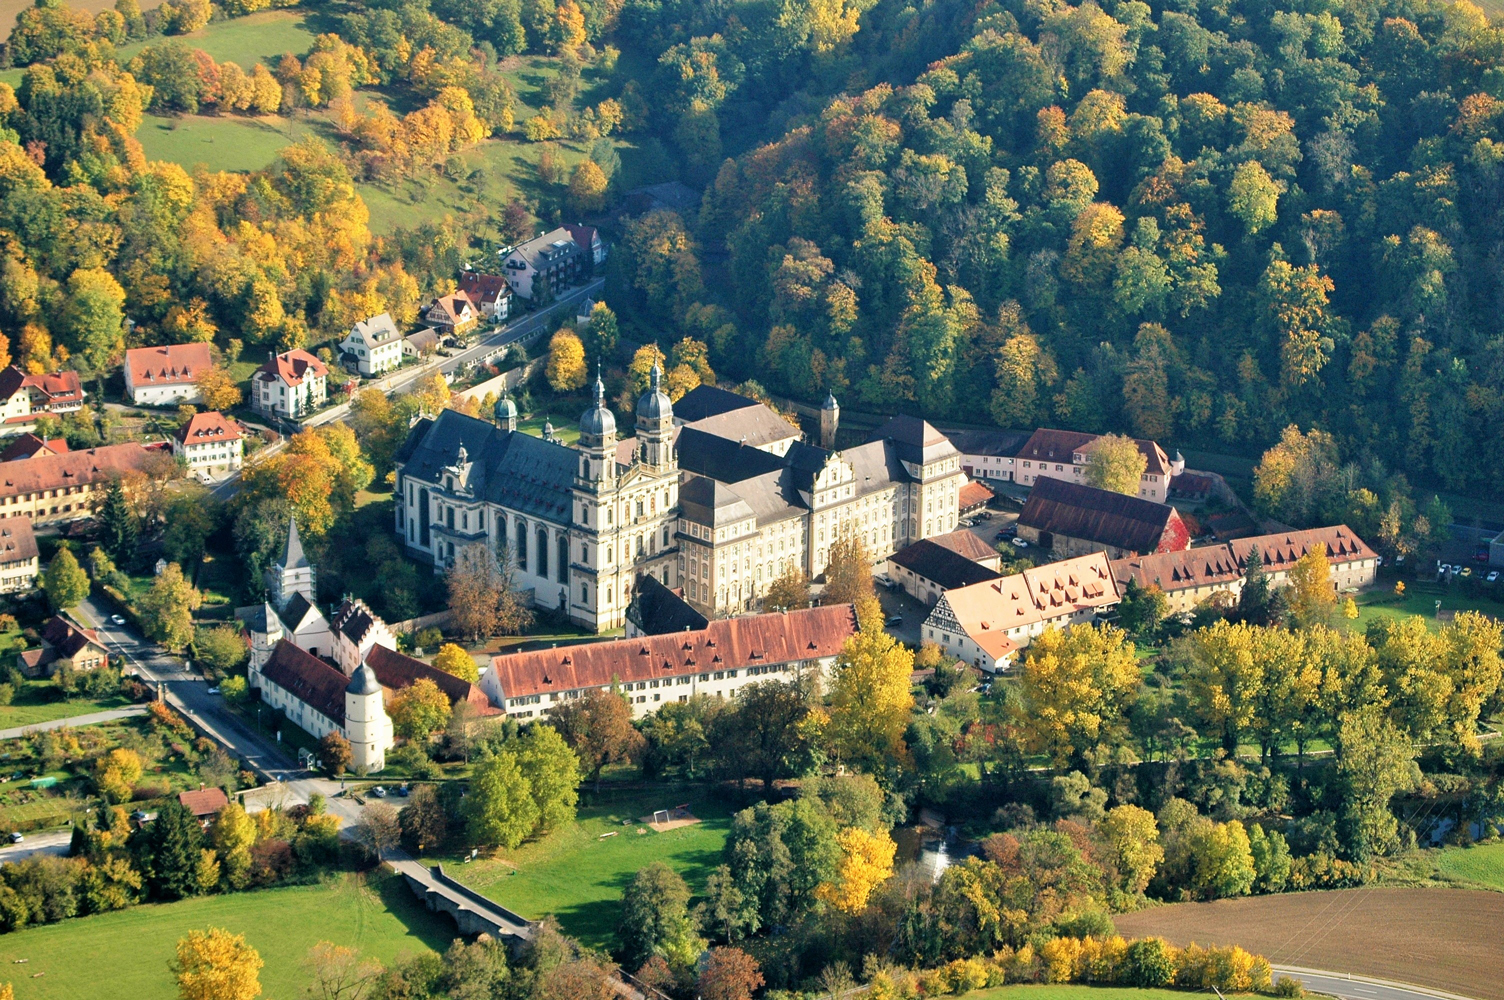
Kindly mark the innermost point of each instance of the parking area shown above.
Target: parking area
(913, 613)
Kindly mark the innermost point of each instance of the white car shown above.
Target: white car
(1493, 575)
(1020, 543)
(117, 620)
(213, 690)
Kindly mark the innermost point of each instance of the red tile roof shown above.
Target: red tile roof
(966, 543)
(59, 387)
(1103, 517)
(1280, 551)
(204, 802)
(974, 495)
(1208, 566)
(205, 427)
(308, 679)
(175, 364)
(446, 308)
(1051, 445)
(292, 367)
(395, 671)
(18, 543)
(28, 445)
(74, 468)
(726, 644)
(484, 288)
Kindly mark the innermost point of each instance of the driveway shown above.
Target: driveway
(52, 842)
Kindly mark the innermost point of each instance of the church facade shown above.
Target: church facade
(719, 501)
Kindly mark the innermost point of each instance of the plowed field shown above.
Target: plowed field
(1448, 939)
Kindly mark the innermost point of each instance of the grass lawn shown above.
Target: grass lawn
(1482, 865)
(1419, 599)
(226, 142)
(579, 877)
(377, 914)
(261, 37)
(34, 703)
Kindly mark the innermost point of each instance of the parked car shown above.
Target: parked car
(1493, 575)
(404, 791)
(117, 620)
(1467, 571)
(1020, 543)
(379, 792)
(895, 620)
(213, 690)
(16, 837)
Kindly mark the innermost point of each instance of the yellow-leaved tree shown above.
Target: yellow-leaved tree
(1115, 463)
(217, 965)
(869, 708)
(566, 361)
(866, 862)
(1076, 686)
(1311, 595)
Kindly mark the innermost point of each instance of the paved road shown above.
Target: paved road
(489, 344)
(188, 693)
(1360, 987)
(55, 842)
(75, 720)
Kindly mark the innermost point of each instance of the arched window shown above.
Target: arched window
(562, 570)
(542, 569)
(521, 544)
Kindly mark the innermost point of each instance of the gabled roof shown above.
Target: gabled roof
(1101, 516)
(29, 444)
(756, 425)
(12, 381)
(172, 364)
(68, 639)
(376, 330)
(657, 610)
(204, 802)
(53, 387)
(448, 309)
(726, 644)
(705, 401)
(1280, 551)
(426, 339)
(511, 468)
(292, 367)
(706, 501)
(974, 495)
(396, 671)
(299, 612)
(541, 251)
(484, 288)
(917, 441)
(75, 468)
(308, 679)
(966, 543)
(205, 428)
(1043, 594)
(353, 620)
(1049, 445)
(1209, 566)
(941, 565)
(18, 542)
(723, 459)
(584, 236)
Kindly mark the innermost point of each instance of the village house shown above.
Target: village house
(927, 569)
(1069, 519)
(28, 445)
(24, 398)
(1055, 454)
(18, 556)
(209, 443)
(292, 384)
(544, 265)
(1353, 565)
(717, 660)
(65, 645)
(985, 624)
(167, 375)
(452, 315)
(588, 239)
(489, 293)
(204, 804)
(1186, 578)
(50, 488)
(423, 344)
(373, 345)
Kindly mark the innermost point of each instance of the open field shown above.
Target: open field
(579, 877)
(1443, 938)
(1483, 865)
(221, 143)
(34, 703)
(378, 915)
(261, 37)
(1419, 600)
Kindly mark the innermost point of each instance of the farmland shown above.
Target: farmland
(1443, 938)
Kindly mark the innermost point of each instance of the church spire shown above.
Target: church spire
(294, 557)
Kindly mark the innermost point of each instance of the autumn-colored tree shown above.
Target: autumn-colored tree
(419, 710)
(339, 972)
(1131, 837)
(866, 862)
(1114, 462)
(728, 974)
(499, 807)
(587, 188)
(219, 391)
(454, 660)
(871, 699)
(598, 727)
(475, 583)
(788, 592)
(1311, 594)
(233, 833)
(848, 573)
(1075, 690)
(117, 773)
(217, 965)
(335, 753)
(566, 368)
(166, 610)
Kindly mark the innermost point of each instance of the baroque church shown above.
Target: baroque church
(718, 499)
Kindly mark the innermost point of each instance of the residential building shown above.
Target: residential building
(452, 315)
(1186, 578)
(28, 445)
(544, 265)
(986, 624)
(209, 443)
(588, 239)
(1069, 519)
(320, 699)
(1055, 454)
(927, 569)
(49, 488)
(717, 660)
(24, 398)
(714, 516)
(18, 556)
(1352, 563)
(167, 375)
(204, 803)
(64, 644)
(292, 384)
(422, 344)
(373, 345)
(489, 293)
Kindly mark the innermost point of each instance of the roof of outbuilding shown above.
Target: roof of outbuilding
(308, 679)
(204, 801)
(657, 610)
(725, 644)
(974, 495)
(942, 566)
(1100, 516)
(704, 401)
(967, 543)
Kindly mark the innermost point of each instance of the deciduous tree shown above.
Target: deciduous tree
(866, 862)
(217, 965)
(335, 753)
(655, 919)
(498, 806)
(219, 391)
(65, 582)
(166, 610)
(869, 706)
(566, 369)
(598, 727)
(789, 592)
(1075, 688)
(422, 820)
(454, 660)
(552, 770)
(729, 974)
(1114, 462)
(419, 710)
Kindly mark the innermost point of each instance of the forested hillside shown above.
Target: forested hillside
(1191, 222)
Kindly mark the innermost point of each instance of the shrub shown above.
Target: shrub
(1290, 987)
(1149, 963)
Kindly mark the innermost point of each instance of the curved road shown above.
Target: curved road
(1360, 987)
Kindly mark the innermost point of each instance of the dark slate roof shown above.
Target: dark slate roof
(513, 469)
(875, 465)
(945, 567)
(657, 610)
(756, 425)
(1101, 516)
(722, 459)
(297, 611)
(705, 401)
(353, 621)
(990, 442)
(294, 558)
(917, 440)
(308, 679)
(706, 501)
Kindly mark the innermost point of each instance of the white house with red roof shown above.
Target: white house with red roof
(209, 443)
(25, 397)
(290, 384)
(489, 292)
(167, 375)
(452, 314)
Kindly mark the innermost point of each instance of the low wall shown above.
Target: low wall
(506, 381)
(473, 913)
(438, 618)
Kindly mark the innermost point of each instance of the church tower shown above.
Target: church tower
(293, 574)
(506, 413)
(830, 419)
(655, 424)
(367, 726)
(598, 443)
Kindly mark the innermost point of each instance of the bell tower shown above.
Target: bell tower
(655, 424)
(597, 443)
